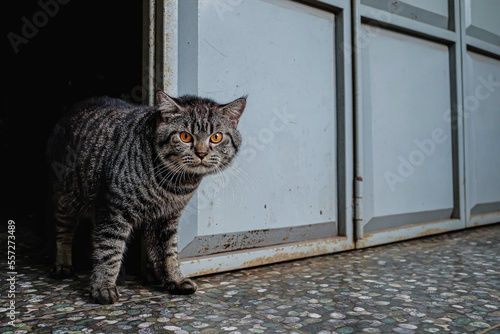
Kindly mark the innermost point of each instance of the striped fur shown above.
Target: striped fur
(122, 165)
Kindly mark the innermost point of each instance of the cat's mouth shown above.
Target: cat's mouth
(195, 165)
(198, 166)
(210, 162)
(203, 167)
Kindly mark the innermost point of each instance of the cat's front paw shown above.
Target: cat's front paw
(105, 295)
(62, 271)
(183, 287)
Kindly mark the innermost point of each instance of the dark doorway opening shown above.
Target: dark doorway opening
(58, 53)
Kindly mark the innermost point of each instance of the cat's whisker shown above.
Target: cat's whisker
(162, 168)
(233, 189)
(168, 166)
(242, 176)
(160, 171)
(218, 176)
(236, 184)
(224, 182)
(172, 174)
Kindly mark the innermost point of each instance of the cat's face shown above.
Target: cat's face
(196, 135)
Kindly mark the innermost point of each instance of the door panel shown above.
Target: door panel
(481, 111)
(482, 20)
(433, 12)
(409, 89)
(407, 143)
(283, 186)
(483, 129)
(285, 173)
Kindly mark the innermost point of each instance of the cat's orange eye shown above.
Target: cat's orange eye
(185, 137)
(216, 137)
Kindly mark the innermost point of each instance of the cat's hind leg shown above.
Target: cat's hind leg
(109, 240)
(66, 223)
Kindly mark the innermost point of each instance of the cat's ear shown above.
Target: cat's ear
(168, 105)
(234, 110)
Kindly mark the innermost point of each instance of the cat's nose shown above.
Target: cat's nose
(201, 155)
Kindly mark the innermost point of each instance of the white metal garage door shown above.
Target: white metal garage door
(411, 151)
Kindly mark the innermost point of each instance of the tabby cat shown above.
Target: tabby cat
(122, 165)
